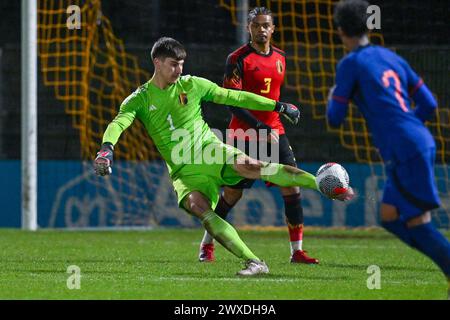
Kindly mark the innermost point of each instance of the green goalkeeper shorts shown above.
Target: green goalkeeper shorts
(207, 178)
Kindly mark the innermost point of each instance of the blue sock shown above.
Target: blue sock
(431, 242)
(398, 228)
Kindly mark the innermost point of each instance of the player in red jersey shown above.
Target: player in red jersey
(259, 67)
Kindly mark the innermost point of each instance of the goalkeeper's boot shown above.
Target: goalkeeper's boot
(206, 253)
(300, 256)
(253, 267)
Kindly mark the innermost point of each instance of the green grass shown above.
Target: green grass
(162, 264)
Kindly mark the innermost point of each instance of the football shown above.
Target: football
(332, 179)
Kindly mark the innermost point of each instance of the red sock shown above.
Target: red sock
(295, 232)
(296, 236)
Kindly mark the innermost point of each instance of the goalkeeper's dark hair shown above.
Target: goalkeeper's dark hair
(166, 47)
(258, 11)
(351, 16)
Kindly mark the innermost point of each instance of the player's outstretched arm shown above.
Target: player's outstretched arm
(104, 159)
(252, 101)
(341, 93)
(128, 109)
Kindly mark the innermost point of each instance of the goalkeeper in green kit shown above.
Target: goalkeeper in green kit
(198, 162)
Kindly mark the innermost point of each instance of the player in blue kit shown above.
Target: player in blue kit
(381, 84)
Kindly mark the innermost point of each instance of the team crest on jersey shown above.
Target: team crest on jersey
(279, 66)
(183, 98)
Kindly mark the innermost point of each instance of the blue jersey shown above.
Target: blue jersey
(381, 84)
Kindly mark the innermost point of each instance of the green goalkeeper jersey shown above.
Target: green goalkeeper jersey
(163, 111)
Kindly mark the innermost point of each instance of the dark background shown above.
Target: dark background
(418, 30)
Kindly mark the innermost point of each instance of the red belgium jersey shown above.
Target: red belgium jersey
(248, 70)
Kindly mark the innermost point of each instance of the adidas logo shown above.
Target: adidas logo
(152, 108)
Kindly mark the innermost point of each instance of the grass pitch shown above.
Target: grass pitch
(162, 264)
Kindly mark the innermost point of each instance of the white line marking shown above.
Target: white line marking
(392, 282)
(220, 279)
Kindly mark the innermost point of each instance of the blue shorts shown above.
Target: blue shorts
(410, 185)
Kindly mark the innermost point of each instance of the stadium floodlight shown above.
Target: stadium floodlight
(29, 115)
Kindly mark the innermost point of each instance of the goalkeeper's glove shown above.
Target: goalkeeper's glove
(103, 161)
(289, 111)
